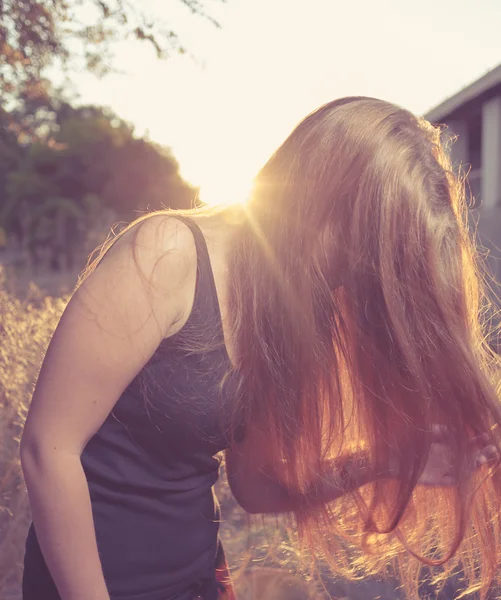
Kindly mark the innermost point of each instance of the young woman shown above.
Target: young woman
(327, 337)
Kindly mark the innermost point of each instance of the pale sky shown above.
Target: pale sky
(273, 61)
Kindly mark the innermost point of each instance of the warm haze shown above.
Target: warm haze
(273, 61)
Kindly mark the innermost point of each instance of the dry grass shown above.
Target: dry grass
(25, 328)
(274, 583)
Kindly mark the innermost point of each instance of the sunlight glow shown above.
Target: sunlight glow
(217, 193)
(221, 182)
(224, 113)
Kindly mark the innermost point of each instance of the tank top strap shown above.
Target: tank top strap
(205, 289)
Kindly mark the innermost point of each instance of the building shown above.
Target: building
(473, 116)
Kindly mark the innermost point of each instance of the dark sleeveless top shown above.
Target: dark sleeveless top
(151, 466)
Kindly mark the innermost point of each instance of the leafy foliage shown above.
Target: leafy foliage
(35, 34)
(88, 165)
(62, 168)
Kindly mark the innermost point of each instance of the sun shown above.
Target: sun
(220, 183)
(218, 193)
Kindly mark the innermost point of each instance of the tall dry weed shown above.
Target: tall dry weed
(25, 329)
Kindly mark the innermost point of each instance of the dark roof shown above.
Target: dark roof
(480, 87)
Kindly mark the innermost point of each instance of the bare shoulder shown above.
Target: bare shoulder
(151, 265)
(160, 244)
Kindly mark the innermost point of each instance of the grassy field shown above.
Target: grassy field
(25, 326)
(29, 312)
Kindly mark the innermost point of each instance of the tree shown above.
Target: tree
(35, 34)
(61, 167)
(10, 151)
(142, 177)
(89, 164)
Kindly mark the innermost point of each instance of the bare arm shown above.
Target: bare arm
(258, 490)
(110, 329)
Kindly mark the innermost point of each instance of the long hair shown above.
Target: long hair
(356, 306)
